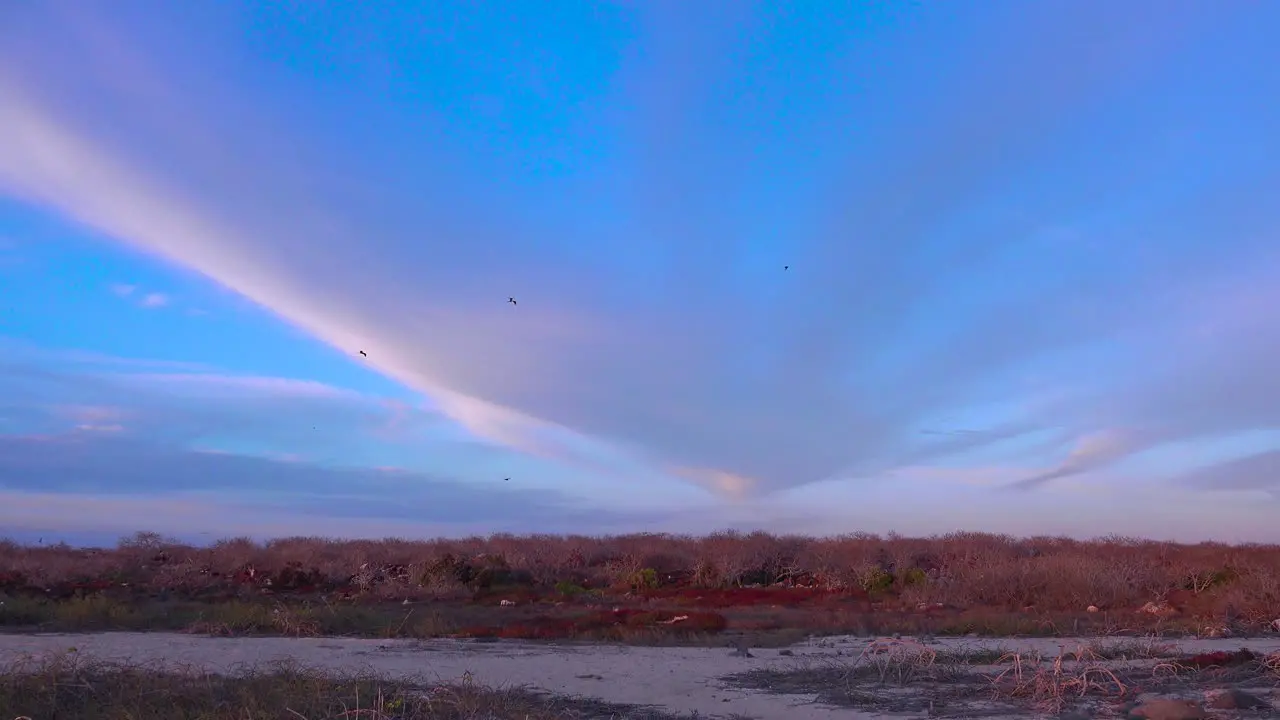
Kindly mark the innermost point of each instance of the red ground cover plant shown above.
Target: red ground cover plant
(1220, 659)
(964, 574)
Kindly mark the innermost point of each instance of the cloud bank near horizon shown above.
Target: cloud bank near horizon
(256, 452)
(1071, 253)
(97, 447)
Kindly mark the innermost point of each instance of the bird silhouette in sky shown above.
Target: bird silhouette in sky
(512, 301)
(364, 353)
(786, 267)
(506, 479)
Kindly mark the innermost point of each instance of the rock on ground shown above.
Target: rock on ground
(1168, 709)
(1232, 699)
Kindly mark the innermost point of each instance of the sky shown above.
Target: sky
(817, 268)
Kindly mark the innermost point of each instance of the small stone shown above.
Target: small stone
(1167, 709)
(1232, 699)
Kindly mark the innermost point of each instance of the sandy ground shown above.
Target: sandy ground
(677, 679)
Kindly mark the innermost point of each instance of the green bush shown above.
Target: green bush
(646, 579)
(876, 581)
(569, 589)
(1225, 576)
(914, 576)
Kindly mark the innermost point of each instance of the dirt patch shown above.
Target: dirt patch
(820, 679)
(616, 624)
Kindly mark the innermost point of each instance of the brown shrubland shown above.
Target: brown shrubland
(960, 570)
(645, 588)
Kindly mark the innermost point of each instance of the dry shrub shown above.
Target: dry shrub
(899, 660)
(1272, 664)
(1051, 685)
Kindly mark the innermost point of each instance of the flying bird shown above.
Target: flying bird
(512, 301)
(786, 267)
(364, 353)
(506, 479)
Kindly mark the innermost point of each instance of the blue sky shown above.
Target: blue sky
(1005, 267)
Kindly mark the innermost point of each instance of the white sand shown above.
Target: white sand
(677, 679)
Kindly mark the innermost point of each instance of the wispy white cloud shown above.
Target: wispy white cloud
(274, 449)
(149, 300)
(162, 404)
(1091, 451)
(32, 355)
(210, 385)
(95, 465)
(134, 440)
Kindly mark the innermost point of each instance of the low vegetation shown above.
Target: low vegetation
(67, 686)
(905, 676)
(645, 588)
